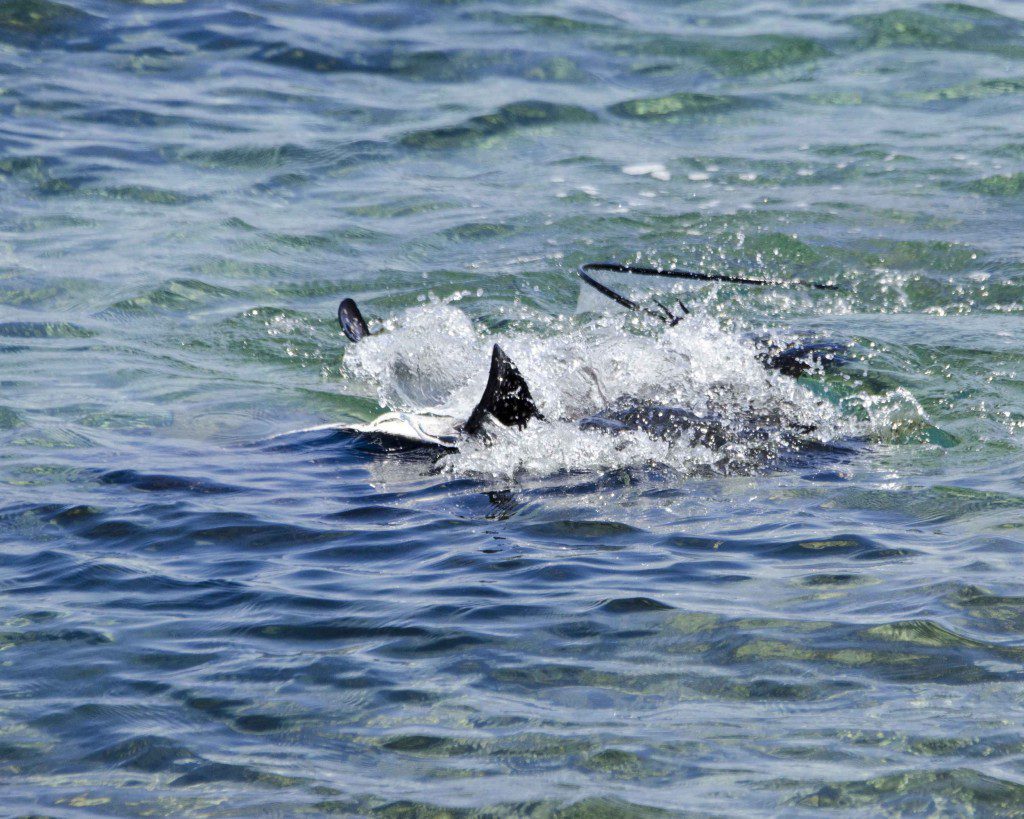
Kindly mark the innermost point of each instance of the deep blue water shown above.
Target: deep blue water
(202, 615)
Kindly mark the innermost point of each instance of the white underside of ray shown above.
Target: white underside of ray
(422, 428)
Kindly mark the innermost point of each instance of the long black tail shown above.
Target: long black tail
(506, 397)
(667, 315)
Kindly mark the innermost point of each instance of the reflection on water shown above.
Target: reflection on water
(199, 615)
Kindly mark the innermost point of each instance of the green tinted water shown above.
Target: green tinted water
(196, 620)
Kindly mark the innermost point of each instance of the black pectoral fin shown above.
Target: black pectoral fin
(351, 320)
(506, 398)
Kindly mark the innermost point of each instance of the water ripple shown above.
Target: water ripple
(202, 612)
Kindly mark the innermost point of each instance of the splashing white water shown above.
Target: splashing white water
(432, 358)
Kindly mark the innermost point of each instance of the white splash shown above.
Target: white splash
(432, 358)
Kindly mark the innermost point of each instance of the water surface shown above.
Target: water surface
(201, 618)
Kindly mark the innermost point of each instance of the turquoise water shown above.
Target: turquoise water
(201, 618)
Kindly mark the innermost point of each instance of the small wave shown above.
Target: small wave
(529, 113)
(679, 105)
(173, 295)
(919, 791)
(154, 482)
(953, 26)
(144, 753)
(39, 329)
(753, 55)
(1003, 184)
(977, 90)
(143, 194)
(38, 18)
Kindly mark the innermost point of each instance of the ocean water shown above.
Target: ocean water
(205, 612)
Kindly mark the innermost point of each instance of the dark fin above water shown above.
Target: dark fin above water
(351, 320)
(506, 398)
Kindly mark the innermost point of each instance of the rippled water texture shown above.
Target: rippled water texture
(202, 616)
